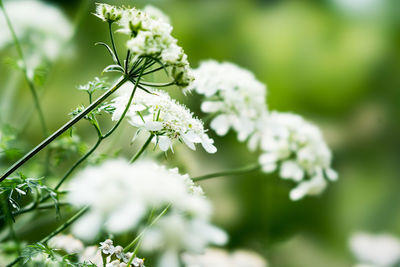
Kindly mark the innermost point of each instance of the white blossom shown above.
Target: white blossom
(381, 250)
(222, 258)
(156, 13)
(121, 194)
(67, 243)
(232, 94)
(150, 35)
(41, 28)
(177, 232)
(162, 116)
(108, 13)
(296, 147)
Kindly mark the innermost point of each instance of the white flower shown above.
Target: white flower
(121, 194)
(107, 247)
(380, 250)
(67, 243)
(233, 94)
(164, 117)
(221, 258)
(298, 147)
(138, 262)
(41, 27)
(91, 254)
(108, 13)
(156, 13)
(150, 35)
(177, 232)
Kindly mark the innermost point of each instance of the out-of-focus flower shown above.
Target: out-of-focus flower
(297, 147)
(177, 232)
(43, 28)
(120, 194)
(233, 95)
(150, 36)
(156, 13)
(377, 250)
(67, 243)
(221, 258)
(162, 116)
(91, 254)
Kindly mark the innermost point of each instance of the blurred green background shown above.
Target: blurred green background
(337, 63)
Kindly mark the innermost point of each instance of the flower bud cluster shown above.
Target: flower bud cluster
(116, 257)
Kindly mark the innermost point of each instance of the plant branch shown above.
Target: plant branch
(239, 171)
(61, 130)
(142, 149)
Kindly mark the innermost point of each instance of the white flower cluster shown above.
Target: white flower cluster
(116, 257)
(298, 147)
(42, 27)
(121, 194)
(177, 232)
(375, 250)
(162, 116)
(222, 258)
(237, 100)
(233, 94)
(150, 35)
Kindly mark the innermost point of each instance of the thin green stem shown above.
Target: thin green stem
(65, 225)
(142, 149)
(112, 43)
(61, 130)
(24, 70)
(158, 84)
(130, 245)
(239, 171)
(44, 206)
(82, 159)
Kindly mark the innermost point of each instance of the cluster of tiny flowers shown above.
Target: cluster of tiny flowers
(150, 35)
(66, 243)
(222, 258)
(43, 27)
(121, 194)
(116, 257)
(231, 93)
(375, 250)
(162, 116)
(298, 148)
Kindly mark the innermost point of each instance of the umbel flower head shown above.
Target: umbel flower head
(108, 13)
(163, 117)
(232, 94)
(121, 194)
(150, 36)
(297, 147)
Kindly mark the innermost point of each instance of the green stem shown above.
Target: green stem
(239, 171)
(128, 247)
(142, 149)
(24, 70)
(65, 225)
(112, 43)
(61, 130)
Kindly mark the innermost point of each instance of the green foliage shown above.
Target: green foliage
(93, 86)
(67, 146)
(41, 255)
(7, 138)
(14, 188)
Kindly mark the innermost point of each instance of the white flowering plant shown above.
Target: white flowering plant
(156, 210)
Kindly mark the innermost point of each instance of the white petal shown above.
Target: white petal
(125, 218)
(88, 226)
(220, 124)
(187, 142)
(208, 146)
(164, 143)
(153, 126)
(211, 106)
(331, 174)
(192, 137)
(291, 170)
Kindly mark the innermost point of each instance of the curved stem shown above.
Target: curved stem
(142, 149)
(128, 247)
(61, 130)
(239, 171)
(24, 70)
(158, 84)
(44, 206)
(112, 43)
(82, 159)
